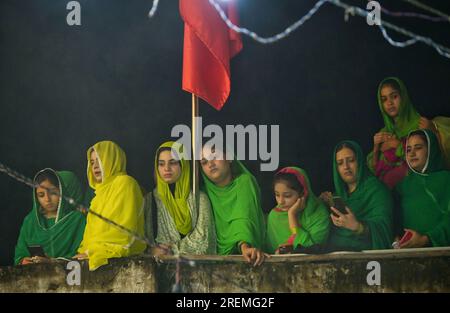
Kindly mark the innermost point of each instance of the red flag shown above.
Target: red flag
(208, 47)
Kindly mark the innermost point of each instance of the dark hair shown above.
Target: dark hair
(343, 145)
(290, 180)
(47, 175)
(391, 83)
(164, 149)
(421, 134)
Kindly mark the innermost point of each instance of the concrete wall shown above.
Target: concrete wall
(415, 270)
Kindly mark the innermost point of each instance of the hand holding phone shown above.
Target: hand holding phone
(339, 205)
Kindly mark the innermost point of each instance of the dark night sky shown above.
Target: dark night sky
(118, 77)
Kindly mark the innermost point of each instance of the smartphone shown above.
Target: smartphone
(36, 250)
(339, 204)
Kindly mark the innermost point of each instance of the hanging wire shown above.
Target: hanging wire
(153, 9)
(414, 38)
(272, 39)
(177, 287)
(429, 9)
(412, 15)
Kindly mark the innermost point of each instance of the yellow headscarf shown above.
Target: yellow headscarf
(112, 160)
(118, 197)
(177, 206)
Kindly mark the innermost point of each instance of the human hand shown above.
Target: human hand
(379, 138)
(81, 256)
(391, 142)
(298, 206)
(26, 260)
(161, 249)
(425, 123)
(34, 260)
(347, 220)
(327, 198)
(284, 248)
(252, 255)
(417, 240)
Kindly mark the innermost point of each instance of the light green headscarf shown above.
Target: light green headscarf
(177, 204)
(59, 237)
(371, 203)
(237, 210)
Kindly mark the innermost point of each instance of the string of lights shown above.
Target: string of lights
(414, 38)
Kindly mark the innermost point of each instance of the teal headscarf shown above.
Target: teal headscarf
(371, 203)
(59, 237)
(425, 196)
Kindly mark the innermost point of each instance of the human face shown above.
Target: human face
(285, 196)
(390, 98)
(218, 171)
(169, 169)
(95, 166)
(347, 165)
(416, 152)
(48, 197)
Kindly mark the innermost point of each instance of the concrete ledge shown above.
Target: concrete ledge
(414, 270)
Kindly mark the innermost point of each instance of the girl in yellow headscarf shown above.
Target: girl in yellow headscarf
(182, 227)
(118, 197)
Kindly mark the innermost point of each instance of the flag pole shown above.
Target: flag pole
(195, 163)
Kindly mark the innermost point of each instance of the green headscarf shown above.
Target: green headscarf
(58, 238)
(435, 160)
(425, 197)
(237, 210)
(407, 119)
(371, 203)
(314, 219)
(176, 205)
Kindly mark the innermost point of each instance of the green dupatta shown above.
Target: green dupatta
(237, 210)
(406, 121)
(371, 203)
(58, 237)
(314, 220)
(425, 197)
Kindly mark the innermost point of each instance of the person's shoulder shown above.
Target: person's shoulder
(30, 217)
(125, 179)
(378, 188)
(246, 178)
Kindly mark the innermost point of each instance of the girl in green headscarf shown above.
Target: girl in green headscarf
(387, 160)
(182, 226)
(425, 193)
(119, 198)
(299, 219)
(367, 223)
(235, 199)
(53, 223)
